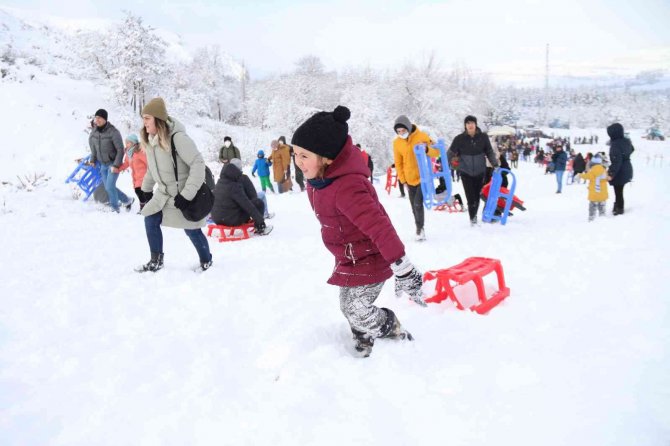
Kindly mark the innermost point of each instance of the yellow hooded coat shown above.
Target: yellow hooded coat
(405, 160)
(597, 177)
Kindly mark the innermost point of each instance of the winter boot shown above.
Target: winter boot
(263, 229)
(204, 266)
(392, 328)
(153, 265)
(420, 235)
(364, 343)
(129, 205)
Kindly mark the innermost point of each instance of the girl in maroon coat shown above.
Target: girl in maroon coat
(354, 227)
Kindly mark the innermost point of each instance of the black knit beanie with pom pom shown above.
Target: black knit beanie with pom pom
(324, 133)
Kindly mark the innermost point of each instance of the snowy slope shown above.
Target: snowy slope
(255, 351)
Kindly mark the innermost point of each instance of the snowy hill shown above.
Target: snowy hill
(256, 351)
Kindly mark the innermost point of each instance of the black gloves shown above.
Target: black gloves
(253, 174)
(181, 202)
(146, 196)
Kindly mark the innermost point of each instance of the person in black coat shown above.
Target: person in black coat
(472, 147)
(620, 171)
(234, 203)
(578, 166)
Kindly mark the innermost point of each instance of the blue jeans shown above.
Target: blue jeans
(109, 180)
(261, 196)
(559, 179)
(152, 224)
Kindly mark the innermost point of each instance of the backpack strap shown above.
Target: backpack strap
(174, 156)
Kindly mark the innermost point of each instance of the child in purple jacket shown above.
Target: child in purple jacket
(354, 227)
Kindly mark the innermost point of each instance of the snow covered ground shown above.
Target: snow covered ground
(256, 351)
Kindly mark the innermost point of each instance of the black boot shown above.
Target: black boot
(204, 266)
(393, 329)
(364, 343)
(153, 265)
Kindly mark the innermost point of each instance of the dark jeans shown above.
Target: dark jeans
(416, 201)
(473, 188)
(152, 224)
(618, 197)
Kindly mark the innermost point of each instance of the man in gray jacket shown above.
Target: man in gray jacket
(107, 148)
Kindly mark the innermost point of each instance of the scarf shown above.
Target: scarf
(320, 183)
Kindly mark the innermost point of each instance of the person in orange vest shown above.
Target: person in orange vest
(407, 167)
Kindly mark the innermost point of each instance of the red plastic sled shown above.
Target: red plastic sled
(471, 269)
(231, 233)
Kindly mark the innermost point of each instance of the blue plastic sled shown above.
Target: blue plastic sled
(495, 194)
(86, 177)
(428, 177)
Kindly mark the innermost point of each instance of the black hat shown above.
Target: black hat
(324, 133)
(102, 113)
(470, 118)
(227, 138)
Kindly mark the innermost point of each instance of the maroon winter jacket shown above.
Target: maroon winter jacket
(354, 224)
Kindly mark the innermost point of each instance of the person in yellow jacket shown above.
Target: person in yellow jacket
(597, 178)
(407, 166)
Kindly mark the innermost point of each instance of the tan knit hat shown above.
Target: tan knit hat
(156, 108)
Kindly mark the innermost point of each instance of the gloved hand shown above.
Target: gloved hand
(253, 174)
(181, 202)
(147, 196)
(408, 279)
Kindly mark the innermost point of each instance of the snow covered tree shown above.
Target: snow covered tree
(221, 79)
(132, 57)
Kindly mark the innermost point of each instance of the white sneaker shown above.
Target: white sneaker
(420, 235)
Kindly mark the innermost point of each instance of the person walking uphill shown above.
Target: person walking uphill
(620, 170)
(228, 151)
(355, 228)
(407, 167)
(280, 158)
(473, 148)
(136, 159)
(106, 147)
(170, 196)
(262, 166)
(560, 160)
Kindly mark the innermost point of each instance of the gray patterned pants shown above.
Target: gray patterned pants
(593, 205)
(357, 306)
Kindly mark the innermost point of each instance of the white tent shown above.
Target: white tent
(503, 130)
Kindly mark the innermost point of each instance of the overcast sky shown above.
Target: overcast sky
(506, 38)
